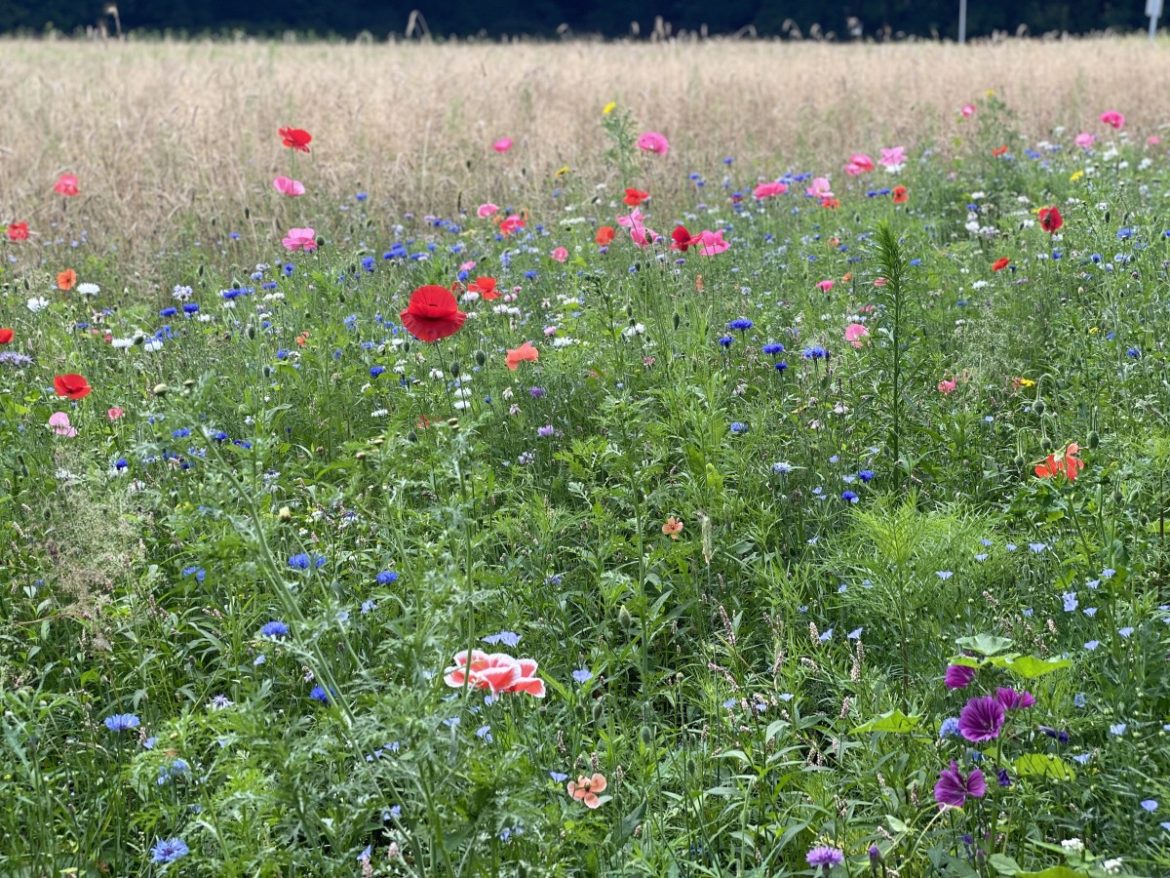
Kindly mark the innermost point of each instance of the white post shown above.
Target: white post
(963, 20)
(1154, 11)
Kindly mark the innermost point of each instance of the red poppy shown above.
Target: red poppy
(1000, 264)
(831, 203)
(295, 138)
(998, 151)
(18, 231)
(486, 287)
(511, 224)
(681, 238)
(432, 313)
(72, 385)
(604, 236)
(526, 353)
(1066, 463)
(6, 336)
(1050, 219)
(634, 197)
(901, 196)
(66, 185)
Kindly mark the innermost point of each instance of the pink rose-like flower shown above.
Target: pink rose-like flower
(855, 333)
(487, 209)
(1085, 140)
(946, 386)
(967, 111)
(300, 239)
(559, 254)
(859, 163)
(654, 141)
(288, 186)
(503, 144)
(59, 422)
(769, 190)
(1113, 119)
(114, 413)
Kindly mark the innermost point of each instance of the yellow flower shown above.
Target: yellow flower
(1093, 330)
(1076, 175)
(563, 170)
(1026, 382)
(609, 108)
(990, 92)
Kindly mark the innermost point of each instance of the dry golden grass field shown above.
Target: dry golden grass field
(165, 137)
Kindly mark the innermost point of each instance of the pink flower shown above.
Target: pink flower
(511, 223)
(497, 672)
(114, 413)
(487, 209)
(710, 243)
(820, 188)
(653, 141)
(859, 163)
(1153, 140)
(300, 239)
(288, 186)
(769, 190)
(632, 220)
(560, 254)
(967, 110)
(503, 144)
(893, 158)
(66, 185)
(59, 421)
(946, 386)
(1113, 118)
(587, 788)
(467, 266)
(1085, 140)
(854, 333)
(825, 285)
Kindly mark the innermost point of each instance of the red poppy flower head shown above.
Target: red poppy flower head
(72, 385)
(901, 196)
(66, 185)
(6, 336)
(681, 238)
(1000, 264)
(432, 313)
(17, 231)
(999, 150)
(634, 197)
(604, 236)
(1050, 219)
(486, 287)
(295, 138)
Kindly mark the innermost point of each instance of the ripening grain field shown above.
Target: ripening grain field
(713, 459)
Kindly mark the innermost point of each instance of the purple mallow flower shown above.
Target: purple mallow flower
(954, 789)
(981, 719)
(959, 676)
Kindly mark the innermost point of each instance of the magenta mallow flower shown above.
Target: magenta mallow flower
(981, 719)
(954, 789)
(825, 856)
(1013, 700)
(959, 676)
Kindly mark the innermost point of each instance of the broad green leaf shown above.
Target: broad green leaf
(1043, 765)
(984, 644)
(1003, 864)
(896, 825)
(1053, 872)
(895, 722)
(1029, 667)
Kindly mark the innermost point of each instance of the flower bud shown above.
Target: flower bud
(1094, 439)
(1038, 407)
(625, 619)
(285, 514)
(160, 390)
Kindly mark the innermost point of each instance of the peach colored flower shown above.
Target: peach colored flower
(769, 190)
(526, 353)
(497, 672)
(672, 527)
(587, 788)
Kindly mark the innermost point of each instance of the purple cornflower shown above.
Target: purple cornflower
(981, 719)
(825, 856)
(954, 789)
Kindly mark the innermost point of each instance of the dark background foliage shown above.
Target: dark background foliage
(842, 19)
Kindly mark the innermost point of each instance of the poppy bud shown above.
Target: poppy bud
(361, 455)
(630, 311)
(320, 241)
(453, 423)
(1038, 407)
(646, 735)
(1018, 461)
(267, 370)
(598, 711)
(1118, 497)
(160, 390)
(454, 370)
(1094, 439)
(412, 436)
(284, 514)
(319, 450)
(676, 320)
(625, 619)
(251, 331)
(480, 358)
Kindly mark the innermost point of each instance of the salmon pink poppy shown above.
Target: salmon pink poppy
(71, 385)
(486, 287)
(511, 224)
(1050, 219)
(585, 789)
(946, 387)
(901, 196)
(288, 186)
(59, 422)
(1085, 140)
(819, 188)
(710, 243)
(502, 145)
(559, 254)
(859, 163)
(487, 209)
(604, 236)
(18, 231)
(526, 353)
(114, 413)
(825, 285)
(855, 334)
(295, 138)
(769, 190)
(655, 142)
(432, 313)
(635, 197)
(67, 279)
(497, 672)
(1113, 119)
(1000, 264)
(6, 336)
(300, 239)
(672, 527)
(967, 111)
(66, 185)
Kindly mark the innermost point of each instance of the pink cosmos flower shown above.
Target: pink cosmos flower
(560, 254)
(114, 413)
(497, 672)
(300, 239)
(1085, 140)
(288, 186)
(503, 144)
(59, 422)
(654, 141)
(893, 158)
(967, 110)
(820, 188)
(769, 190)
(710, 243)
(946, 386)
(487, 209)
(859, 163)
(855, 333)
(66, 185)
(1113, 118)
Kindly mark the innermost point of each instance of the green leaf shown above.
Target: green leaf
(1043, 765)
(1029, 667)
(1003, 864)
(984, 644)
(897, 825)
(895, 722)
(1052, 872)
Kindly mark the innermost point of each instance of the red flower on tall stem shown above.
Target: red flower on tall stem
(432, 313)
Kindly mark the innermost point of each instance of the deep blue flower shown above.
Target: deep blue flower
(191, 308)
(318, 693)
(387, 577)
(167, 850)
(815, 352)
(168, 312)
(738, 427)
(773, 347)
(122, 722)
(726, 341)
(375, 371)
(849, 497)
(275, 628)
(742, 324)
(781, 366)
(866, 475)
(1124, 234)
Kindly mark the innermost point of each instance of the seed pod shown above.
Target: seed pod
(1094, 439)
(454, 370)
(480, 358)
(1038, 407)
(625, 619)
(646, 735)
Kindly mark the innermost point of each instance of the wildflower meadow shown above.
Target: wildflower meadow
(678, 506)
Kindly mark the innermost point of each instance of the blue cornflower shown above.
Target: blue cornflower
(1124, 234)
(318, 693)
(726, 341)
(191, 308)
(375, 371)
(781, 366)
(866, 475)
(275, 628)
(742, 324)
(1070, 601)
(816, 352)
(122, 722)
(300, 561)
(738, 427)
(1133, 353)
(582, 675)
(167, 850)
(387, 577)
(508, 638)
(949, 727)
(849, 497)
(168, 312)
(773, 347)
